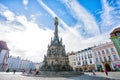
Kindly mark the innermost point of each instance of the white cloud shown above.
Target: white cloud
(71, 37)
(54, 15)
(25, 3)
(110, 16)
(9, 15)
(5, 12)
(85, 19)
(30, 41)
(76, 43)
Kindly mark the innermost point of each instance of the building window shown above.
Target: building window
(115, 57)
(109, 58)
(90, 55)
(112, 50)
(86, 62)
(103, 52)
(90, 61)
(85, 57)
(96, 59)
(98, 53)
(118, 33)
(82, 57)
(107, 51)
(95, 54)
(78, 63)
(100, 59)
(83, 62)
(105, 59)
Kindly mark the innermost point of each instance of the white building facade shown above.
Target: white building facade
(14, 63)
(18, 64)
(27, 65)
(84, 60)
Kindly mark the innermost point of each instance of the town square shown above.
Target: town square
(59, 40)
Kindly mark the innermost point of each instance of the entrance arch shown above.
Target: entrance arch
(80, 69)
(107, 67)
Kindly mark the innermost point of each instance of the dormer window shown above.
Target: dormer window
(117, 33)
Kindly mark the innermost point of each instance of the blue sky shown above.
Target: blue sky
(29, 24)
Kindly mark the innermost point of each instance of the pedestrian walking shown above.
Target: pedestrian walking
(93, 72)
(23, 71)
(14, 71)
(7, 70)
(106, 72)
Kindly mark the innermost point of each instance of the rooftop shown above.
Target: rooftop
(113, 33)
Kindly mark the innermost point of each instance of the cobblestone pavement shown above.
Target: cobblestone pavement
(112, 75)
(18, 76)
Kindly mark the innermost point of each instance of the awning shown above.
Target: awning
(117, 65)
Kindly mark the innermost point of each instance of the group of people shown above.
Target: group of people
(9, 70)
(36, 72)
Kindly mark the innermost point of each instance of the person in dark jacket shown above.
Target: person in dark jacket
(14, 71)
(106, 72)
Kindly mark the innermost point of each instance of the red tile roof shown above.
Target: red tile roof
(112, 34)
(3, 45)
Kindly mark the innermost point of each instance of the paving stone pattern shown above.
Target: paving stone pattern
(18, 76)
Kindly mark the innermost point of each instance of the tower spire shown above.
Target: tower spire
(56, 28)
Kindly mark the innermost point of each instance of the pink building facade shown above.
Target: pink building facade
(4, 54)
(106, 57)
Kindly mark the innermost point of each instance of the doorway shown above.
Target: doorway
(107, 67)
